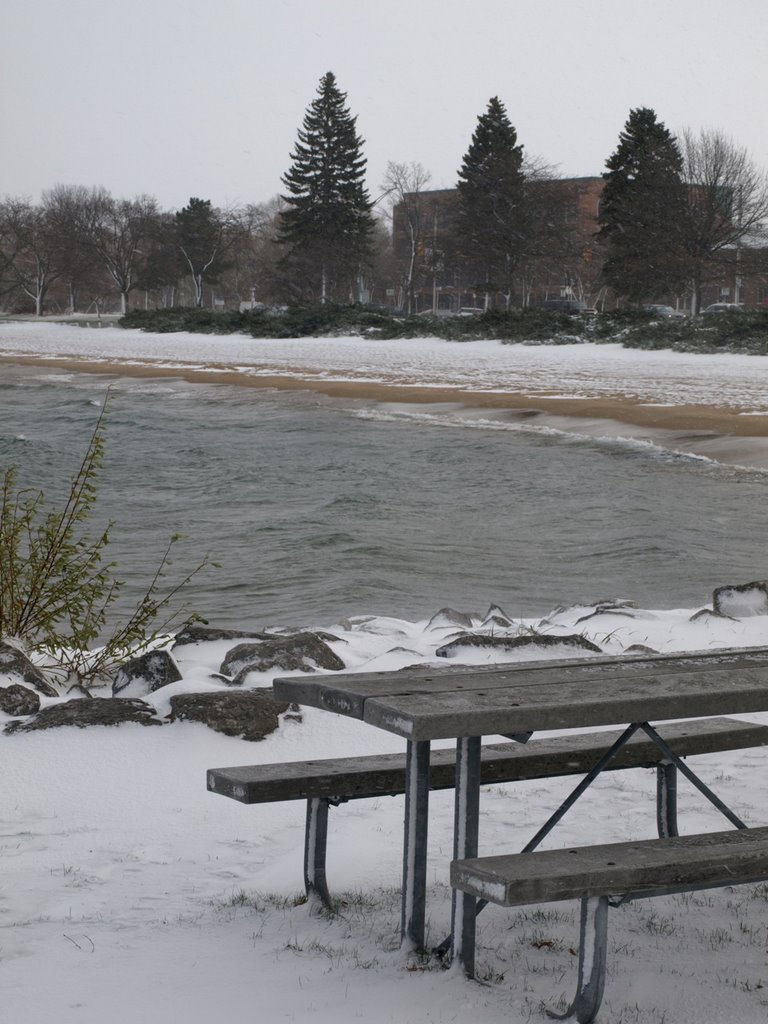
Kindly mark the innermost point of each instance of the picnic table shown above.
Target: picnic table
(515, 701)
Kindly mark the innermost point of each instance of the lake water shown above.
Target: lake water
(318, 509)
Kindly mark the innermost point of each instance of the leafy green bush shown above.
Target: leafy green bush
(56, 590)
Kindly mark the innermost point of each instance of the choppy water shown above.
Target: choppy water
(318, 509)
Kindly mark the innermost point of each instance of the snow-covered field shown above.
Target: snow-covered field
(130, 893)
(585, 371)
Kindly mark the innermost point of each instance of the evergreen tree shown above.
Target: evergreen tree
(200, 241)
(327, 221)
(643, 212)
(493, 218)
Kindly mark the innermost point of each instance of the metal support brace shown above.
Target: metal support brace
(547, 827)
(412, 919)
(673, 759)
(315, 844)
(666, 798)
(593, 944)
(585, 783)
(465, 831)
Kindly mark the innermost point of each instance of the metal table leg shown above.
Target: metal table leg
(465, 833)
(413, 915)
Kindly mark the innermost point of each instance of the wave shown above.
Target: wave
(657, 449)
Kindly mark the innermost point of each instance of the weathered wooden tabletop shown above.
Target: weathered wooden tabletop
(428, 703)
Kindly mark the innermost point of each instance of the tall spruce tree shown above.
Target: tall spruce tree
(643, 212)
(327, 222)
(493, 219)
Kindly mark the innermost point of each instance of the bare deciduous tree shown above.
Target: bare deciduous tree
(403, 184)
(35, 249)
(727, 205)
(66, 207)
(253, 272)
(118, 232)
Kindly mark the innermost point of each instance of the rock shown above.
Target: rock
(600, 610)
(495, 616)
(250, 714)
(88, 711)
(742, 601)
(153, 670)
(299, 652)
(14, 662)
(606, 606)
(18, 700)
(640, 649)
(511, 643)
(450, 617)
(195, 634)
(707, 613)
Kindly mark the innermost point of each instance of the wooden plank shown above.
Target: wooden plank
(570, 704)
(649, 867)
(346, 694)
(383, 774)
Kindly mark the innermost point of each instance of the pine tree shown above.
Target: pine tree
(492, 203)
(643, 212)
(200, 241)
(326, 226)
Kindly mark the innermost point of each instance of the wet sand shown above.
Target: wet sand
(719, 433)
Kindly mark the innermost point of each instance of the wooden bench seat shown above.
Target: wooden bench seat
(327, 782)
(608, 875)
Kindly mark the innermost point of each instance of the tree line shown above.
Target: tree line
(674, 214)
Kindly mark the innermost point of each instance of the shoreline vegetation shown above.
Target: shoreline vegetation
(741, 332)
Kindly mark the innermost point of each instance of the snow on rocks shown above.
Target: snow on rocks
(196, 682)
(500, 643)
(87, 711)
(741, 601)
(300, 652)
(151, 670)
(250, 714)
(18, 700)
(14, 663)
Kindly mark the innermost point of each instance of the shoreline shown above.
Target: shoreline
(714, 432)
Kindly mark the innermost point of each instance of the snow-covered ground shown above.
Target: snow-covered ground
(588, 370)
(129, 893)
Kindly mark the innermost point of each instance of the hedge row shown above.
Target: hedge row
(735, 332)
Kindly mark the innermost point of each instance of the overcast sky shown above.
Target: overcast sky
(180, 98)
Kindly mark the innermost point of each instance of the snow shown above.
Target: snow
(568, 371)
(130, 893)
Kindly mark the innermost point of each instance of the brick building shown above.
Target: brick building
(564, 260)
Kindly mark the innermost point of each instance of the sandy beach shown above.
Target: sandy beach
(629, 396)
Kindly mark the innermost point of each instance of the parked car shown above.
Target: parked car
(573, 307)
(663, 312)
(722, 307)
(471, 311)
